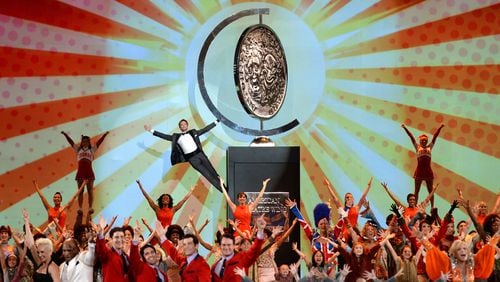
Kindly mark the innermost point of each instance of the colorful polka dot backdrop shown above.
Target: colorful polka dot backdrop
(357, 71)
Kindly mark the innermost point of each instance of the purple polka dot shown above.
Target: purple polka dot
(38, 91)
(86, 3)
(6, 94)
(40, 46)
(24, 85)
(57, 82)
(26, 40)
(11, 81)
(17, 145)
(58, 37)
(70, 87)
(17, 22)
(12, 35)
(52, 96)
(45, 32)
(2, 30)
(71, 42)
(31, 27)
(19, 99)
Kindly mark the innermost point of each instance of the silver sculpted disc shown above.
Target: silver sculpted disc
(260, 71)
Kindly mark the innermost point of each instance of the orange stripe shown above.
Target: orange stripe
(25, 62)
(14, 184)
(479, 78)
(477, 23)
(28, 118)
(50, 12)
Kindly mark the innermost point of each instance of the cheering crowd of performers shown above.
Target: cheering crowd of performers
(417, 244)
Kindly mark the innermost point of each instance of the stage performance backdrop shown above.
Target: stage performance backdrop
(356, 70)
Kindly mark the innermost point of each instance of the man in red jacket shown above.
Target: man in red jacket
(193, 267)
(223, 269)
(115, 263)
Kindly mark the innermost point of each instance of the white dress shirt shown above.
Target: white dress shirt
(80, 268)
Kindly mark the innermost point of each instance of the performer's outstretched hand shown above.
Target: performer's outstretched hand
(148, 127)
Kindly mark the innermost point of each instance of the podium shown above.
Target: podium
(247, 167)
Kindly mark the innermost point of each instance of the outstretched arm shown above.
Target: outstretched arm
(197, 234)
(436, 134)
(393, 197)
(412, 138)
(363, 197)
(178, 206)
(101, 139)
(167, 137)
(42, 197)
(230, 203)
(252, 206)
(68, 138)
(336, 200)
(151, 203)
(426, 200)
(207, 128)
(497, 205)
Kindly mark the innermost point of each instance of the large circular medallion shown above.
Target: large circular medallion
(260, 71)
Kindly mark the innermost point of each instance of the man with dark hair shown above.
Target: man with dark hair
(78, 266)
(147, 268)
(193, 267)
(186, 147)
(115, 262)
(223, 269)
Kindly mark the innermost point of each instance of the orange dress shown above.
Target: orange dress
(165, 216)
(55, 214)
(243, 214)
(437, 262)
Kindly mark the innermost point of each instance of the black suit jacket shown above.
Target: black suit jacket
(177, 155)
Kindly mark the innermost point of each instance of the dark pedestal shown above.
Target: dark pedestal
(247, 167)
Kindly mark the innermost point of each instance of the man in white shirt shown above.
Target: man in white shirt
(78, 266)
(186, 146)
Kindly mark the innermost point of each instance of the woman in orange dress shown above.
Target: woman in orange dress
(349, 206)
(164, 208)
(243, 211)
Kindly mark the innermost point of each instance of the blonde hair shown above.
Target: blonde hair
(45, 242)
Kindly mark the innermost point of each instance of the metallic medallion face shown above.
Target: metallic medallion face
(260, 71)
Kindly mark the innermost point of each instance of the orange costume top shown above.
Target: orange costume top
(54, 213)
(165, 216)
(438, 262)
(243, 214)
(410, 212)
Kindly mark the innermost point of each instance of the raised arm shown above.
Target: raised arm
(336, 200)
(42, 197)
(393, 197)
(254, 204)
(197, 234)
(413, 141)
(497, 205)
(436, 134)
(151, 203)
(363, 197)
(101, 139)
(426, 200)
(68, 138)
(207, 128)
(230, 203)
(178, 206)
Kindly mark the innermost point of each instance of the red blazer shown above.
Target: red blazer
(197, 270)
(241, 260)
(111, 263)
(141, 270)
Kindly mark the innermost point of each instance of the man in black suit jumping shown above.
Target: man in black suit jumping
(186, 146)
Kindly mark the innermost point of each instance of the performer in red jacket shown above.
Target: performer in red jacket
(194, 268)
(223, 269)
(115, 263)
(147, 268)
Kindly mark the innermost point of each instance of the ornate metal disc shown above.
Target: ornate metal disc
(260, 71)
